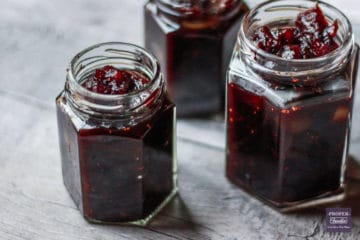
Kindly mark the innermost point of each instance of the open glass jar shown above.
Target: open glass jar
(288, 121)
(193, 40)
(117, 151)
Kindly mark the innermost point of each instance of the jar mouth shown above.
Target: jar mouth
(120, 55)
(268, 14)
(115, 48)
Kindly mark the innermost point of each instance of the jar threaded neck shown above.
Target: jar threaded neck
(123, 56)
(306, 71)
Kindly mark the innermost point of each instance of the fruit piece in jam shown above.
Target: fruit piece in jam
(312, 36)
(110, 80)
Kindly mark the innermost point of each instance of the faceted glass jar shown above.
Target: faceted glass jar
(117, 151)
(193, 40)
(288, 121)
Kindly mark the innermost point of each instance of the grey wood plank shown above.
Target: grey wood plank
(39, 38)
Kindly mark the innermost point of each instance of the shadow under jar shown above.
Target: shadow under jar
(288, 121)
(117, 151)
(193, 40)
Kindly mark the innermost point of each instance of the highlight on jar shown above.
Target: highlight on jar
(193, 40)
(117, 134)
(290, 95)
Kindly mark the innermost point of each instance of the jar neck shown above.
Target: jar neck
(197, 9)
(298, 72)
(133, 105)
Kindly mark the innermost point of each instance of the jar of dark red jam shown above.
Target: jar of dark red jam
(289, 115)
(117, 147)
(193, 40)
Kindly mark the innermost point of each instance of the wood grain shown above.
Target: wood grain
(38, 39)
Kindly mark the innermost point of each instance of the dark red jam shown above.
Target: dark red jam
(117, 172)
(286, 154)
(110, 80)
(311, 37)
(194, 46)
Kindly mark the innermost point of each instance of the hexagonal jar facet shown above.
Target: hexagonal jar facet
(117, 168)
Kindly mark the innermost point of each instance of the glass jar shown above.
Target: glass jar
(117, 151)
(193, 40)
(288, 121)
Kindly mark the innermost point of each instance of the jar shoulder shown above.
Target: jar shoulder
(87, 125)
(339, 86)
(66, 114)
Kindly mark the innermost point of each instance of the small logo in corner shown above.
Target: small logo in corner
(338, 220)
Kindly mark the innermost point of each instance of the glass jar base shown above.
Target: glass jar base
(141, 222)
(287, 207)
(325, 199)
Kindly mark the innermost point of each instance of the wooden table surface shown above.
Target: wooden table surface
(37, 40)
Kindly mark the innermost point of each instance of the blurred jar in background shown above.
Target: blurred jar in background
(193, 40)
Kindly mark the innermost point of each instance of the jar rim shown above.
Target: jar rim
(244, 38)
(127, 56)
(174, 9)
(83, 90)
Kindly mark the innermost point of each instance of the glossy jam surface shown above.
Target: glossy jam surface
(110, 80)
(286, 154)
(194, 52)
(311, 37)
(127, 177)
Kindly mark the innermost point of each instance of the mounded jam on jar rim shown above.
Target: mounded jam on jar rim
(289, 103)
(311, 37)
(111, 80)
(116, 131)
